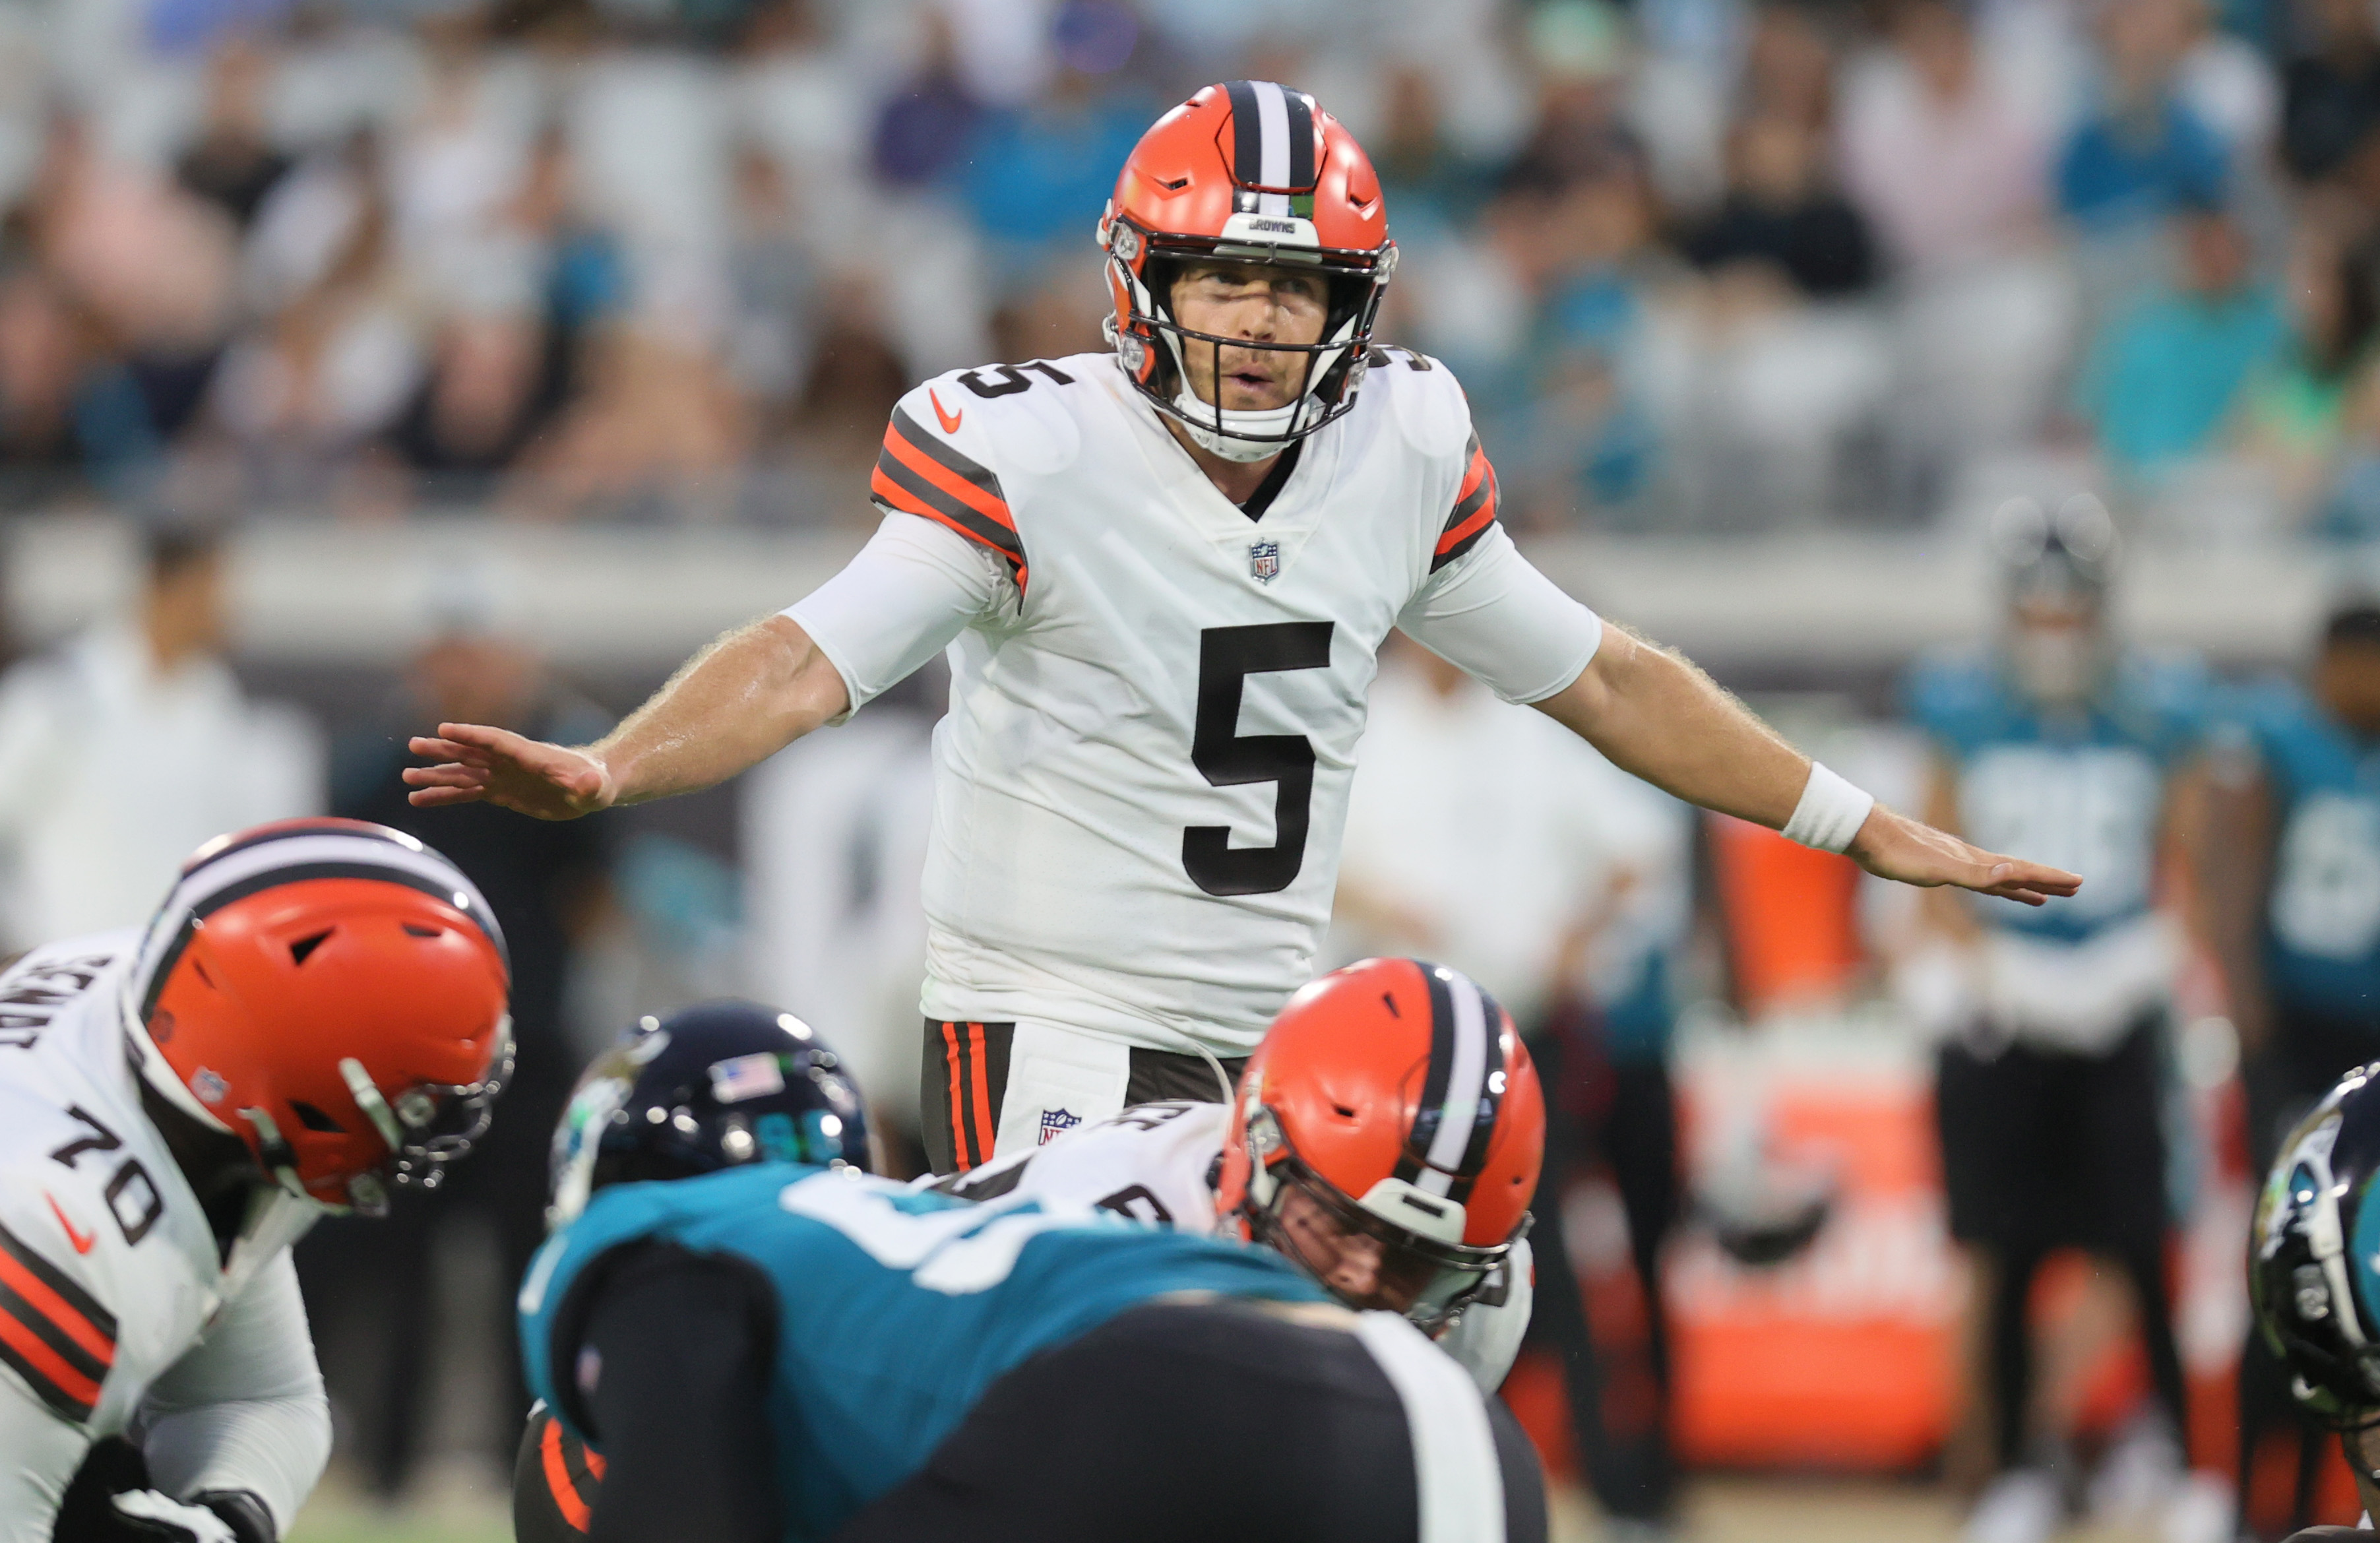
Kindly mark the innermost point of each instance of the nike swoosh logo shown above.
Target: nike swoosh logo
(949, 420)
(82, 1241)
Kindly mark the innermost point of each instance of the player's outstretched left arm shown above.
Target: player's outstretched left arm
(1653, 713)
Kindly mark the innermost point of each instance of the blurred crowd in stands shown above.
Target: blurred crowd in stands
(1701, 264)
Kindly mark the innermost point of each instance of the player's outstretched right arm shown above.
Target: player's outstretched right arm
(737, 703)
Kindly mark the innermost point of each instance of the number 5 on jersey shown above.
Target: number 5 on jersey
(1227, 657)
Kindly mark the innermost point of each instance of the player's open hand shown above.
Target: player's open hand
(1895, 847)
(480, 764)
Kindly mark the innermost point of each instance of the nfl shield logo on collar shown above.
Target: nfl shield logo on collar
(1056, 1123)
(1264, 561)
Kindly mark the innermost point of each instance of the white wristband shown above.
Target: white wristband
(1831, 813)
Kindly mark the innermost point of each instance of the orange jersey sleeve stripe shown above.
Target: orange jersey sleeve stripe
(567, 1498)
(70, 1393)
(36, 1283)
(985, 502)
(1474, 510)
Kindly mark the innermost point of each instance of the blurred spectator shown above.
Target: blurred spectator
(234, 161)
(1780, 216)
(658, 430)
(773, 270)
(927, 127)
(2293, 410)
(151, 266)
(125, 747)
(1560, 884)
(1937, 146)
(370, 1285)
(1944, 153)
(488, 392)
(2160, 382)
(1038, 174)
(2291, 885)
(335, 356)
(2331, 93)
(2142, 152)
(43, 385)
(1789, 67)
(1581, 134)
(1428, 182)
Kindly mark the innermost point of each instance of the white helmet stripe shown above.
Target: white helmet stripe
(1464, 1082)
(1272, 122)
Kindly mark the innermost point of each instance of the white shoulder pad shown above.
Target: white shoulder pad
(1426, 399)
(1019, 417)
(1150, 1163)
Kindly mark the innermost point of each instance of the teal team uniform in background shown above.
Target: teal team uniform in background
(2322, 921)
(2081, 789)
(895, 1310)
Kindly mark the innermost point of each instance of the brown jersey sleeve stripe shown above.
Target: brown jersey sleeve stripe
(1474, 510)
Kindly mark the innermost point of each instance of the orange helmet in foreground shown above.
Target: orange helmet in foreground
(1249, 172)
(1397, 1095)
(332, 992)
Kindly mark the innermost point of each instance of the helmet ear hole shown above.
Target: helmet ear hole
(1342, 1112)
(314, 1119)
(411, 930)
(304, 947)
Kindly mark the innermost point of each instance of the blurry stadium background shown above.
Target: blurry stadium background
(517, 349)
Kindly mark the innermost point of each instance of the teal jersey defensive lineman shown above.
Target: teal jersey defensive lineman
(896, 1310)
(2081, 790)
(2322, 915)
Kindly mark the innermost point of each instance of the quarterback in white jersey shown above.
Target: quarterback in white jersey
(317, 1009)
(1162, 577)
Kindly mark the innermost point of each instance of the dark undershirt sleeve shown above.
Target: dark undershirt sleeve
(677, 1403)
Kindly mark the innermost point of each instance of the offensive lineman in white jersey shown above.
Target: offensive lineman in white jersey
(316, 1011)
(1162, 577)
(1325, 1154)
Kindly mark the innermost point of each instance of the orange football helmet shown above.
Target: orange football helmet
(1397, 1095)
(332, 992)
(1254, 172)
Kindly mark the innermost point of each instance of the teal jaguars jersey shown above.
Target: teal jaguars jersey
(895, 1310)
(2084, 790)
(2322, 917)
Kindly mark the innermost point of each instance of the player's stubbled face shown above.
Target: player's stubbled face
(1358, 1269)
(1263, 304)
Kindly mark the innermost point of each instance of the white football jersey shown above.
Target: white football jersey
(1142, 780)
(1160, 1162)
(111, 1278)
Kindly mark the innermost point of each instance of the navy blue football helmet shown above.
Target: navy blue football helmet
(713, 1086)
(2313, 1252)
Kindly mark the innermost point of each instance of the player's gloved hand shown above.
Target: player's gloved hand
(155, 1517)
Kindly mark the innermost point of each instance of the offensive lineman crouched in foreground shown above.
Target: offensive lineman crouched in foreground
(316, 1011)
(1164, 574)
(1386, 1138)
(765, 1349)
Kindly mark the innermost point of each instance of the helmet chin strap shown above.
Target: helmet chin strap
(1268, 429)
